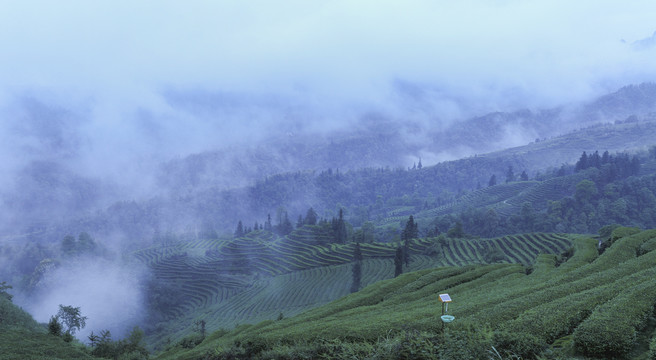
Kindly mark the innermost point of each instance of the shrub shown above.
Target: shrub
(621, 232)
(611, 330)
(189, 342)
(68, 337)
(648, 246)
(524, 345)
(651, 355)
(54, 326)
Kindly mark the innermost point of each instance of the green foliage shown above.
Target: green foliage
(456, 231)
(398, 262)
(621, 232)
(603, 300)
(23, 338)
(3, 290)
(611, 330)
(651, 355)
(606, 231)
(132, 347)
(72, 318)
(12, 317)
(54, 326)
(518, 344)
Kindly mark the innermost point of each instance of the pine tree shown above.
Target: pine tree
(69, 245)
(85, 243)
(356, 270)
(398, 262)
(510, 174)
(582, 164)
(311, 217)
(340, 228)
(267, 224)
(240, 230)
(523, 176)
(286, 226)
(410, 232)
(493, 180)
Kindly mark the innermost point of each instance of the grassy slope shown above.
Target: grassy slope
(22, 338)
(550, 303)
(322, 274)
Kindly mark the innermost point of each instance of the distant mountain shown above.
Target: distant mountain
(378, 141)
(215, 188)
(646, 43)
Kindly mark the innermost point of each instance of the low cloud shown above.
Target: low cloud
(108, 293)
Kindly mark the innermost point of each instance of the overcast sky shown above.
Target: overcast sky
(352, 48)
(110, 60)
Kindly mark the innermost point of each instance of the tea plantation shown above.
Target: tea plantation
(582, 304)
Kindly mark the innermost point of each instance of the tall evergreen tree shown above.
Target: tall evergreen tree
(267, 224)
(398, 262)
(356, 270)
(510, 174)
(493, 180)
(239, 232)
(605, 157)
(523, 176)
(582, 164)
(69, 245)
(286, 226)
(411, 230)
(456, 231)
(340, 228)
(311, 217)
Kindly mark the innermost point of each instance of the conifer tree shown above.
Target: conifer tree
(493, 180)
(311, 217)
(357, 268)
(240, 230)
(286, 226)
(398, 262)
(267, 224)
(523, 176)
(410, 232)
(582, 164)
(340, 228)
(510, 174)
(69, 245)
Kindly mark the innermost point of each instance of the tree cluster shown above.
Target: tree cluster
(83, 245)
(132, 347)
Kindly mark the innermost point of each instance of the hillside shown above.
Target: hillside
(198, 191)
(599, 305)
(259, 277)
(23, 338)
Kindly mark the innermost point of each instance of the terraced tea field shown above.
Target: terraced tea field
(257, 277)
(592, 305)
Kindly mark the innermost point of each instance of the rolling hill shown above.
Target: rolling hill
(598, 305)
(258, 277)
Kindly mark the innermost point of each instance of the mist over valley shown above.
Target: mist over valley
(258, 181)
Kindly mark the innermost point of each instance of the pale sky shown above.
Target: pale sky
(326, 60)
(350, 50)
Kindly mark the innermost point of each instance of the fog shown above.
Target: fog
(97, 95)
(107, 292)
(145, 82)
